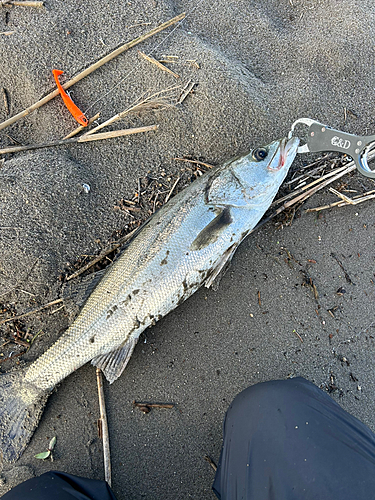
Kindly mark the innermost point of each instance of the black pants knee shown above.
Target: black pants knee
(55, 485)
(289, 440)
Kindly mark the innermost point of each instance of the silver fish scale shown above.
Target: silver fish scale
(109, 317)
(185, 244)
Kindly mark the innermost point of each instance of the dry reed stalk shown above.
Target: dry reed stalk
(157, 63)
(320, 185)
(91, 69)
(38, 309)
(313, 183)
(195, 162)
(81, 127)
(302, 194)
(356, 200)
(342, 196)
(172, 189)
(186, 91)
(300, 198)
(84, 138)
(151, 102)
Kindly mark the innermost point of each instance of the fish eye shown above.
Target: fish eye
(260, 154)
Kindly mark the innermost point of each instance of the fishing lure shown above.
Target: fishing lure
(73, 108)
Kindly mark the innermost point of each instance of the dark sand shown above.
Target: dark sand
(263, 64)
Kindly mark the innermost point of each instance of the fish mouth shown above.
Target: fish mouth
(287, 149)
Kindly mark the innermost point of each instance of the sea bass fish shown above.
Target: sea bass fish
(183, 246)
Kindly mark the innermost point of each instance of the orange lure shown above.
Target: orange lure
(74, 110)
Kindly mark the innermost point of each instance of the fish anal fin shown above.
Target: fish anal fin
(114, 363)
(220, 266)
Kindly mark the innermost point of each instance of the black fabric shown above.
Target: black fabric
(60, 486)
(288, 439)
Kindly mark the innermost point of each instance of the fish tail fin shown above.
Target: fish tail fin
(21, 406)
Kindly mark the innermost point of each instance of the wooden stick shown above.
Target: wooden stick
(97, 259)
(196, 162)
(337, 173)
(158, 64)
(306, 175)
(186, 91)
(171, 191)
(298, 335)
(355, 201)
(361, 197)
(322, 182)
(117, 133)
(81, 127)
(84, 138)
(342, 196)
(14, 356)
(306, 195)
(104, 429)
(14, 318)
(91, 69)
(211, 462)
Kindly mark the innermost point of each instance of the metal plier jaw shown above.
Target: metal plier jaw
(323, 138)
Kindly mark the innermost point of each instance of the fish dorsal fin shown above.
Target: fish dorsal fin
(225, 189)
(75, 293)
(114, 363)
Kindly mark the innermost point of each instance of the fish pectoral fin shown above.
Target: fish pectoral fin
(213, 230)
(114, 363)
(221, 266)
